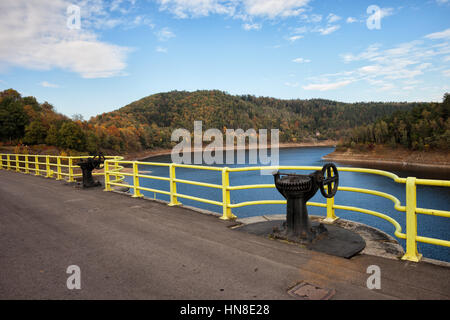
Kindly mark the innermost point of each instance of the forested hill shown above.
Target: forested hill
(149, 122)
(157, 115)
(424, 127)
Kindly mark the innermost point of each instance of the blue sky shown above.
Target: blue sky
(127, 49)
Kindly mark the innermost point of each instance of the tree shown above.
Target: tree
(35, 133)
(92, 143)
(70, 136)
(13, 118)
(52, 136)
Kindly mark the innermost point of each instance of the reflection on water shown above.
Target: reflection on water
(427, 197)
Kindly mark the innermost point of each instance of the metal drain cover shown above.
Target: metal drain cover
(307, 291)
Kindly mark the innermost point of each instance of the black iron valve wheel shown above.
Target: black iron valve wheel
(330, 180)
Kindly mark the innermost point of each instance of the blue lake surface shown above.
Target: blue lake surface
(427, 197)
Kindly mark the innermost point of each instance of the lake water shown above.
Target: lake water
(427, 197)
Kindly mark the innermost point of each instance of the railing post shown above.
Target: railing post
(331, 216)
(27, 168)
(137, 192)
(36, 165)
(58, 168)
(17, 163)
(47, 167)
(227, 214)
(173, 186)
(411, 222)
(107, 177)
(71, 179)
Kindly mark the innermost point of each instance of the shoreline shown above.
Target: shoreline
(430, 164)
(140, 156)
(404, 164)
(382, 160)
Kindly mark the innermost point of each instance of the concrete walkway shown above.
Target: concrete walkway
(131, 248)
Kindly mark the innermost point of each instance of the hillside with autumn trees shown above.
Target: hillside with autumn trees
(149, 122)
(423, 127)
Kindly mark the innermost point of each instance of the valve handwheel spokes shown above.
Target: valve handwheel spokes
(99, 159)
(330, 179)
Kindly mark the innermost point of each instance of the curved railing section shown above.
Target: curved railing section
(411, 210)
(116, 169)
(59, 167)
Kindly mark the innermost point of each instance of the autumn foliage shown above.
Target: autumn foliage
(149, 122)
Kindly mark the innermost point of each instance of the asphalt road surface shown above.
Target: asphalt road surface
(130, 248)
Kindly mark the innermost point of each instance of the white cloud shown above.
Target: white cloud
(253, 26)
(274, 8)
(386, 12)
(446, 73)
(34, 35)
(333, 18)
(301, 60)
(328, 30)
(369, 69)
(311, 18)
(294, 38)
(292, 84)
(236, 8)
(300, 30)
(164, 34)
(390, 69)
(197, 8)
(161, 49)
(351, 20)
(439, 35)
(48, 84)
(327, 86)
(100, 14)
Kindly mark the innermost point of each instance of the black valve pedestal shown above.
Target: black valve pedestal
(298, 190)
(87, 167)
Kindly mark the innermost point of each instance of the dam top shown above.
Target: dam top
(115, 176)
(143, 249)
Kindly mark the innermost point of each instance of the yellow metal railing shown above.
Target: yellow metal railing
(59, 167)
(114, 175)
(410, 208)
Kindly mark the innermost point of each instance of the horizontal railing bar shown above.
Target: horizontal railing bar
(121, 173)
(217, 203)
(436, 183)
(434, 212)
(198, 183)
(251, 186)
(397, 226)
(120, 185)
(191, 166)
(261, 202)
(434, 241)
(153, 190)
(397, 204)
(158, 164)
(309, 168)
(350, 189)
(153, 177)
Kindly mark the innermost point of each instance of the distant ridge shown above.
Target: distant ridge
(157, 115)
(148, 123)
